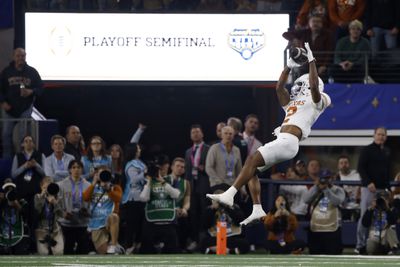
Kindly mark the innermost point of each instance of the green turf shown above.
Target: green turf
(200, 260)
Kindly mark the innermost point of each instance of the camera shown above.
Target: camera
(11, 195)
(48, 240)
(105, 176)
(53, 189)
(10, 190)
(381, 200)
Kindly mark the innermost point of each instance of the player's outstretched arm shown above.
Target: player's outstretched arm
(281, 92)
(313, 75)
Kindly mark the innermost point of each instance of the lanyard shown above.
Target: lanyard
(196, 160)
(228, 164)
(74, 202)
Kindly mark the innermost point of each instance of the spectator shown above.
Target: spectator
(382, 21)
(238, 140)
(380, 222)
(350, 55)
(75, 145)
(75, 210)
(281, 225)
(223, 161)
(324, 198)
(251, 125)
(160, 212)
(117, 159)
(218, 131)
(20, 85)
(300, 169)
(14, 238)
(341, 13)
(27, 172)
(96, 156)
(295, 194)
(195, 173)
(373, 166)
(135, 171)
(311, 8)
(182, 202)
(56, 165)
(351, 206)
(236, 243)
(48, 234)
(104, 198)
(313, 169)
(138, 134)
(320, 40)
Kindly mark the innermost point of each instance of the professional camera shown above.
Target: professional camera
(105, 176)
(152, 169)
(10, 190)
(325, 177)
(53, 189)
(381, 200)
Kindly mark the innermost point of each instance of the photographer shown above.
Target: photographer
(160, 212)
(49, 239)
(14, 233)
(281, 225)
(104, 197)
(75, 211)
(324, 198)
(380, 222)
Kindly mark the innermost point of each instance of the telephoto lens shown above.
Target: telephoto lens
(11, 195)
(105, 176)
(53, 189)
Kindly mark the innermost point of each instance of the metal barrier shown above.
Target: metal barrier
(23, 124)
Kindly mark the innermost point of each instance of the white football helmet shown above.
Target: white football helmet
(301, 86)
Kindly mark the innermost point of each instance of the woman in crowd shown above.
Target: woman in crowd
(96, 156)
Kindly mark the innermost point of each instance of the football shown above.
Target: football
(299, 55)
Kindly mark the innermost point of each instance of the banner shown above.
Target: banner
(156, 47)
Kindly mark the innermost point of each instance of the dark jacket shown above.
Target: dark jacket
(382, 13)
(202, 181)
(10, 91)
(374, 166)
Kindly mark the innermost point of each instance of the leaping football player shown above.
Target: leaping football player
(302, 106)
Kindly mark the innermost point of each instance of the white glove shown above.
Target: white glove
(292, 64)
(309, 53)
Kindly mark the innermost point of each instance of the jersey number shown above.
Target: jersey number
(289, 112)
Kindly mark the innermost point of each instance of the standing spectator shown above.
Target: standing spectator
(324, 198)
(135, 171)
(311, 8)
(380, 221)
(14, 238)
(56, 165)
(27, 172)
(104, 198)
(281, 225)
(75, 145)
(75, 210)
(223, 161)
(48, 234)
(351, 206)
(218, 132)
(373, 166)
(341, 13)
(350, 55)
(117, 159)
(313, 169)
(160, 212)
(95, 157)
(183, 201)
(251, 125)
(20, 85)
(238, 140)
(300, 169)
(382, 21)
(138, 134)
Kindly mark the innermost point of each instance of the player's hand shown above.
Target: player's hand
(291, 64)
(309, 53)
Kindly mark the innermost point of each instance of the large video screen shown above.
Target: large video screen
(156, 47)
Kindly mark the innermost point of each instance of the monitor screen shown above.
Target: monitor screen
(156, 47)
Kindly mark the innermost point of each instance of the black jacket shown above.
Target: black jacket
(374, 166)
(10, 91)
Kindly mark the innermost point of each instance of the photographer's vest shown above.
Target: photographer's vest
(160, 207)
(325, 217)
(11, 226)
(28, 182)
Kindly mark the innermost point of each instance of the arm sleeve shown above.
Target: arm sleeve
(87, 194)
(145, 194)
(48, 170)
(310, 194)
(15, 171)
(337, 197)
(115, 194)
(136, 136)
(39, 167)
(172, 192)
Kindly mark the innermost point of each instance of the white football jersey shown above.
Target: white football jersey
(301, 111)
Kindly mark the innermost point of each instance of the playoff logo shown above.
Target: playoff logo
(246, 41)
(60, 41)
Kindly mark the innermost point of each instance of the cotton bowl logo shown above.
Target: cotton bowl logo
(246, 42)
(60, 41)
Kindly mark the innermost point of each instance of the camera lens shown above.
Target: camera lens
(105, 176)
(53, 189)
(11, 195)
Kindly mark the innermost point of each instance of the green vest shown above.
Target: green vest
(160, 207)
(12, 220)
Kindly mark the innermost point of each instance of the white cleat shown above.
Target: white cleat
(254, 216)
(221, 198)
